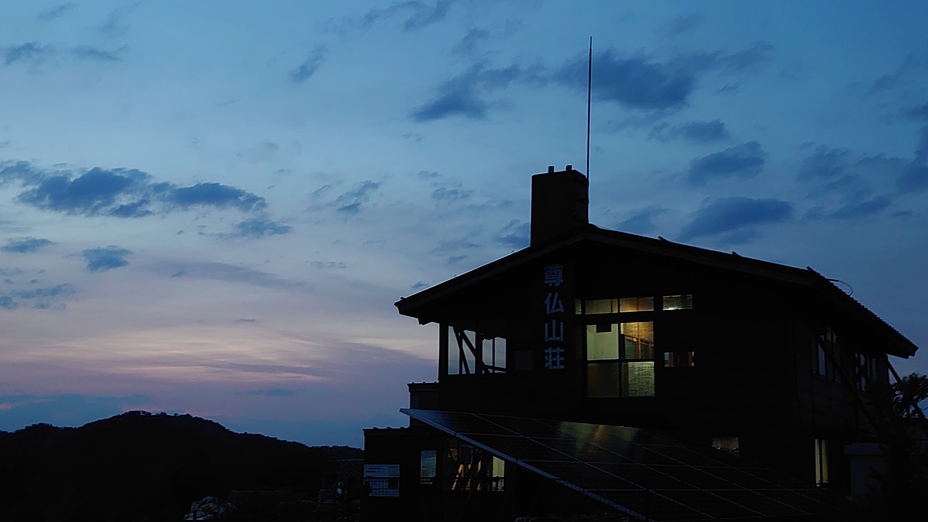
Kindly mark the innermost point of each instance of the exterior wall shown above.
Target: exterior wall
(518, 493)
(754, 345)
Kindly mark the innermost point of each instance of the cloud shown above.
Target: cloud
(451, 245)
(423, 15)
(268, 150)
(918, 112)
(909, 69)
(824, 164)
(130, 193)
(647, 84)
(309, 66)
(41, 298)
(642, 221)
(470, 42)
(114, 25)
(634, 82)
(58, 11)
(694, 131)
(464, 94)
(350, 202)
(257, 228)
(456, 97)
(86, 52)
(914, 179)
(449, 195)
(921, 149)
(740, 61)
(863, 209)
(224, 272)
(35, 53)
(30, 52)
(415, 14)
(106, 258)
(327, 265)
(25, 245)
(682, 24)
(95, 192)
(211, 195)
(741, 161)
(20, 171)
(274, 392)
(737, 217)
(515, 234)
(845, 185)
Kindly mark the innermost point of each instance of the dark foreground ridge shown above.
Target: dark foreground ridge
(143, 466)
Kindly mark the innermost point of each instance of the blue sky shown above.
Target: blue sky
(210, 207)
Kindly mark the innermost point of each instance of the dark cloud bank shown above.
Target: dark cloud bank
(106, 258)
(130, 193)
(39, 297)
(735, 217)
(25, 245)
(637, 82)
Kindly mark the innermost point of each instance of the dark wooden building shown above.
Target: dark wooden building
(590, 329)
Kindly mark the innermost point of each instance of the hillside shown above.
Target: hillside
(141, 466)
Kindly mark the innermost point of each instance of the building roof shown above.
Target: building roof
(418, 305)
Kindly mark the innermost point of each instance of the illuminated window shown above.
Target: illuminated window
(620, 359)
(474, 468)
(601, 306)
(615, 306)
(427, 467)
(636, 304)
(678, 302)
(821, 462)
(497, 475)
(678, 359)
(726, 444)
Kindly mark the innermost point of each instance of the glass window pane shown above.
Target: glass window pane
(638, 340)
(427, 466)
(602, 380)
(636, 304)
(602, 306)
(678, 302)
(726, 444)
(639, 378)
(602, 342)
(494, 354)
(454, 355)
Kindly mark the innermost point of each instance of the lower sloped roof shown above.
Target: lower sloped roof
(643, 473)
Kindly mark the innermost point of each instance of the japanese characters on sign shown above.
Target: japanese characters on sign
(555, 316)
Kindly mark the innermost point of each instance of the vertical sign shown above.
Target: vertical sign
(554, 318)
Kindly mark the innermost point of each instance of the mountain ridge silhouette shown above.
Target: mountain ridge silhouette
(145, 466)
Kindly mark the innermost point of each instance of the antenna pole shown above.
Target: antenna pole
(589, 91)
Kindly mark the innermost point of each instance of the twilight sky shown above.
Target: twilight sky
(210, 207)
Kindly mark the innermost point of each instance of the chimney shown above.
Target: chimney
(560, 203)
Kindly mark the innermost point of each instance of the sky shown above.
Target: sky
(210, 207)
